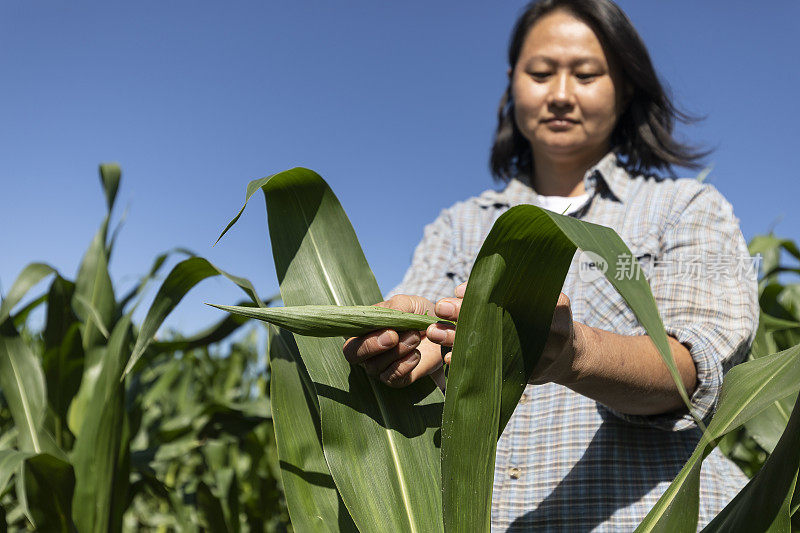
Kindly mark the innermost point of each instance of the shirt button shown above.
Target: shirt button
(514, 472)
(523, 399)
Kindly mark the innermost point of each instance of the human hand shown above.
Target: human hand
(397, 359)
(447, 308)
(563, 342)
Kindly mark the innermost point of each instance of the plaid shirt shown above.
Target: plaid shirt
(566, 462)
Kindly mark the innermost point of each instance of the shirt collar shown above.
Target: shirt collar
(608, 170)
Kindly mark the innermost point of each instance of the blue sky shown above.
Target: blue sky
(393, 103)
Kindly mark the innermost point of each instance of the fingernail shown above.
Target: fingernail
(445, 308)
(460, 290)
(412, 339)
(386, 339)
(436, 334)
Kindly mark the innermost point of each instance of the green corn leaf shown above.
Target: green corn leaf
(179, 512)
(63, 369)
(770, 301)
(93, 315)
(768, 325)
(232, 377)
(79, 406)
(311, 495)
(790, 298)
(10, 463)
(121, 482)
(768, 426)
(60, 316)
(8, 439)
(791, 247)
(162, 385)
(210, 508)
(767, 497)
(748, 389)
(23, 385)
(232, 507)
(21, 316)
(631, 285)
(334, 321)
(770, 248)
(252, 188)
(762, 244)
(48, 484)
(110, 175)
(211, 335)
(764, 341)
(27, 279)
(380, 443)
(183, 277)
(97, 444)
(93, 299)
(503, 325)
(63, 357)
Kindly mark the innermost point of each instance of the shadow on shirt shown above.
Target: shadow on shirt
(621, 465)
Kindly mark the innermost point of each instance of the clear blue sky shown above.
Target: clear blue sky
(393, 103)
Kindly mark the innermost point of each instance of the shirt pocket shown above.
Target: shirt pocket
(646, 249)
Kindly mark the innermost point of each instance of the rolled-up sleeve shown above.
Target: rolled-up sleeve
(430, 274)
(706, 291)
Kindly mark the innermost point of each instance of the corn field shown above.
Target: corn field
(103, 427)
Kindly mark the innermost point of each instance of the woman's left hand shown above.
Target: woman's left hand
(564, 343)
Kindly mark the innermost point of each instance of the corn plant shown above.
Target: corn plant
(358, 455)
(73, 393)
(204, 455)
(778, 329)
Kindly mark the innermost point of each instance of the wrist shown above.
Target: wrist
(583, 343)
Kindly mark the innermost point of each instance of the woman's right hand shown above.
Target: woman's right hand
(398, 359)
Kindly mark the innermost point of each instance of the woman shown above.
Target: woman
(601, 431)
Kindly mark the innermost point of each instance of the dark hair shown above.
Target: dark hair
(643, 133)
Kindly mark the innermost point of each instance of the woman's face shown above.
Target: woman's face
(566, 97)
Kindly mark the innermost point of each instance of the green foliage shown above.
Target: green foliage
(314, 502)
(379, 443)
(205, 443)
(103, 428)
(374, 440)
(778, 330)
(747, 390)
